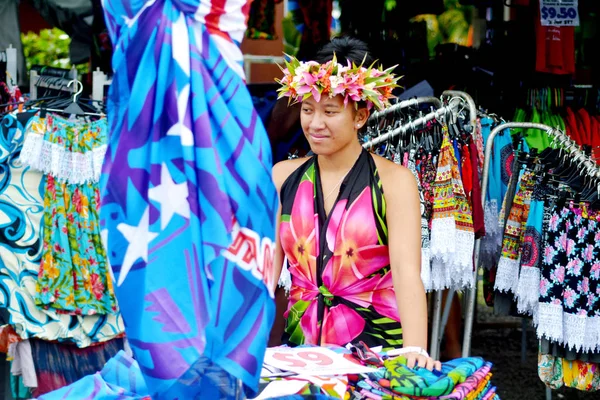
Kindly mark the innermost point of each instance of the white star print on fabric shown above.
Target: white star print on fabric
(179, 129)
(138, 238)
(172, 197)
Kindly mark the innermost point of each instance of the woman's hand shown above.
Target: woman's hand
(424, 361)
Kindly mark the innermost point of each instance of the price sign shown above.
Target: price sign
(559, 12)
(312, 361)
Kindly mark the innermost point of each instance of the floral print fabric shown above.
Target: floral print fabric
(342, 288)
(569, 290)
(556, 372)
(73, 275)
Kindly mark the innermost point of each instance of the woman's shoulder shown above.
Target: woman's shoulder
(283, 169)
(391, 174)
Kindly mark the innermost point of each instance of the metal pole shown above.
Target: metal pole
(435, 326)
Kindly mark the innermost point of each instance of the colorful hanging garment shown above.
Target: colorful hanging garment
(452, 232)
(507, 277)
(21, 212)
(73, 277)
(568, 302)
(342, 289)
(188, 204)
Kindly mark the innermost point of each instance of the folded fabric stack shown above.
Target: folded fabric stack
(389, 379)
(463, 378)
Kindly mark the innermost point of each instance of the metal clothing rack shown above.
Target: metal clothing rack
(37, 81)
(590, 168)
(409, 126)
(437, 103)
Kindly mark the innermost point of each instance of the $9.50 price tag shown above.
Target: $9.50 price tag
(559, 12)
(312, 361)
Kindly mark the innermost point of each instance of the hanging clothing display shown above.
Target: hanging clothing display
(186, 191)
(22, 206)
(446, 168)
(549, 256)
(327, 305)
(73, 276)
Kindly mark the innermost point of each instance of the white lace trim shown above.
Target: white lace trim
(550, 322)
(591, 338)
(574, 330)
(461, 267)
(54, 159)
(440, 274)
(528, 291)
(507, 277)
(443, 238)
(426, 269)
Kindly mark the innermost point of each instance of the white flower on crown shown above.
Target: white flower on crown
(335, 81)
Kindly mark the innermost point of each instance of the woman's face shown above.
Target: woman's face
(329, 125)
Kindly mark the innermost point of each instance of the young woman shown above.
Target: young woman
(349, 221)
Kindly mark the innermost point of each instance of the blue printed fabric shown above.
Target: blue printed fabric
(188, 204)
(121, 378)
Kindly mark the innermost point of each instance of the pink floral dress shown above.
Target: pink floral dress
(342, 289)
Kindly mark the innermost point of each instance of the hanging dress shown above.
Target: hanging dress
(342, 289)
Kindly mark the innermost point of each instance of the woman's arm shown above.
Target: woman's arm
(404, 236)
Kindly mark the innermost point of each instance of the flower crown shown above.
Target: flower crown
(304, 79)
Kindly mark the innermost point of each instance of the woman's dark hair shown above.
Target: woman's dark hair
(346, 49)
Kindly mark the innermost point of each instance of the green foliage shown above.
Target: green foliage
(51, 48)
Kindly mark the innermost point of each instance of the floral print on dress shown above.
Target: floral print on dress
(73, 276)
(570, 275)
(342, 289)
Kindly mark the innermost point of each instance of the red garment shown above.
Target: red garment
(476, 204)
(7, 336)
(467, 173)
(555, 48)
(571, 126)
(586, 133)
